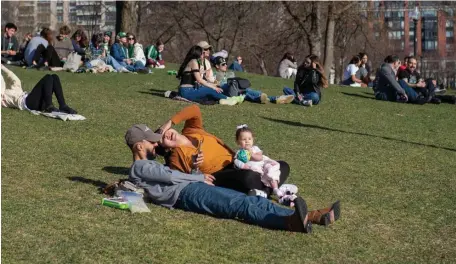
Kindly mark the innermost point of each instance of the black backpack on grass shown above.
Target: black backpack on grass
(237, 86)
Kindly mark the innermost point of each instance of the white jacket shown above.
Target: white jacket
(12, 94)
(138, 53)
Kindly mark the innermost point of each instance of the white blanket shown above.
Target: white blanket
(59, 115)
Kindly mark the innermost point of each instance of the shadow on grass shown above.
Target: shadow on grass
(153, 93)
(117, 170)
(97, 183)
(292, 123)
(359, 95)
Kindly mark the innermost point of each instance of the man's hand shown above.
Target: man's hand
(405, 97)
(209, 179)
(421, 84)
(12, 52)
(218, 90)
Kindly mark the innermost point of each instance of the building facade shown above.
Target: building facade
(435, 30)
(93, 16)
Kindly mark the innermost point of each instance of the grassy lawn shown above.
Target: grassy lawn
(393, 166)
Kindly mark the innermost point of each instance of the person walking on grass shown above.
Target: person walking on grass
(39, 99)
(197, 193)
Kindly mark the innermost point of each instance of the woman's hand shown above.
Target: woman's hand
(209, 179)
(218, 90)
(199, 159)
(165, 127)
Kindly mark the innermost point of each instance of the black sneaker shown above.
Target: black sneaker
(68, 110)
(435, 100)
(43, 68)
(50, 109)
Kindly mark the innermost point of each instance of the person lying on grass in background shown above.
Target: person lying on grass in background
(309, 82)
(39, 99)
(196, 193)
(250, 94)
(154, 55)
(415, 87)
(194, 87)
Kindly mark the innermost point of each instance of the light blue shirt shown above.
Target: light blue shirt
(31, 48)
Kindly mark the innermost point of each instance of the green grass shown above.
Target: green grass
(392, 165)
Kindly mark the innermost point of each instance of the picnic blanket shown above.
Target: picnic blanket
(59, 115)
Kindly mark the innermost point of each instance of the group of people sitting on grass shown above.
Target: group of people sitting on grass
(205, 82)
(99, 54)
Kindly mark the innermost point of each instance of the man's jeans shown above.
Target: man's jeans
(226, 203)
(200, 94)
(250, 94)
(309, 96)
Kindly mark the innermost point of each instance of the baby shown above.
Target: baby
(250, 157)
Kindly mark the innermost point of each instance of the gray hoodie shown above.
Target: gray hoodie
(162, 184)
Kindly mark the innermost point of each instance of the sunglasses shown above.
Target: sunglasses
(131, 38)
(223, 64)
(207, 49)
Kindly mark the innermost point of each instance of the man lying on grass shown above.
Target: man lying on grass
(196, 193)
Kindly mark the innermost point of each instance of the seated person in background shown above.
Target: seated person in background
(364, 70)
(9, 45)
(350, 71)
(23, 45)
(136, 53)
(205, 69)
(404, 64)
(107, 36)
(80, 42)
(120, 52)
(39, 99)
(287, 66)
(387, 88)
(154, 55)
(39, 42)
(56, 52)
(97, 52)
(194, 87)
(237, 64)
(416, 88)
(250, 94)
(309, 82)
(222, 53)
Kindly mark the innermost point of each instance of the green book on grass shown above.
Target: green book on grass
(115, 202)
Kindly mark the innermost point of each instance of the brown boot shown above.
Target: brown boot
(325, 216)
(298, 222)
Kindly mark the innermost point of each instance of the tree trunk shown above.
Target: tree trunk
(126, 19)
(314, 38)
(329, 45)
(263, 67)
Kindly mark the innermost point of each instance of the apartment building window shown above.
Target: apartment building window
(430, 45)
(449, 23)
(449, 34)
(388, 14)
(60, 18)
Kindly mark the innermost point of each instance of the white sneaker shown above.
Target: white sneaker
(123, 69)
(307, 103)
(228, 101)
(167, 94)
(287, 200)
(264, 98)
(161, 67)
(438, 90)
(284, 99)
(289, 189)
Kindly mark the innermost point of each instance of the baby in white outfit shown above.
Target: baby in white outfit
(250, 157)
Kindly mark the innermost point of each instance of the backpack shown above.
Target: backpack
(72, 62)
(237, 86)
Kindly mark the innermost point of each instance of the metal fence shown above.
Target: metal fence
(444, 71)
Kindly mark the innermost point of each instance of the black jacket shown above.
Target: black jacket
(307, 81)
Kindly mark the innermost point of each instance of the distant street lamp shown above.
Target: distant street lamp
(415, 16)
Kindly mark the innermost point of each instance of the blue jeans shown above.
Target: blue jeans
(200, 94)
(315, 97)
(250, 94)
(411, 94)
(113, 62)
(226, 203)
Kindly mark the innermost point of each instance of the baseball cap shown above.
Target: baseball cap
(108, 33)
(140, 132)
(204, 45)
(219, 60)
(122, 34)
